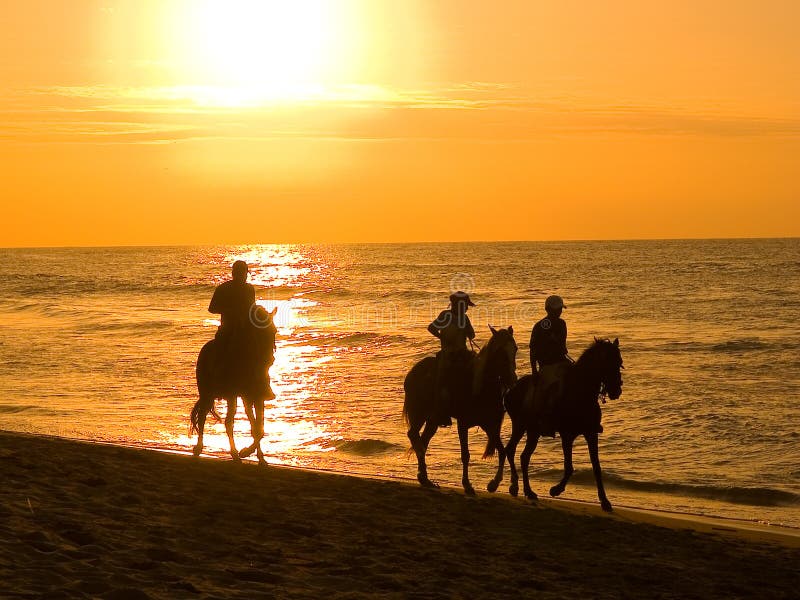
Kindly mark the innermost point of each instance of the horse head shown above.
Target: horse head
(610, 366)
(261, 318)
(502, 355)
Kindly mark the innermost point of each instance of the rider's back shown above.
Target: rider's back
(233, 300)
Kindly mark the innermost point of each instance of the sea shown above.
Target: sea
(100, 344)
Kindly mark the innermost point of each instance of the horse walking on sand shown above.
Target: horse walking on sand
(577, 412)
(220, 376)
(479, 405)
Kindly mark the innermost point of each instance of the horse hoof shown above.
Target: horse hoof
(245, 452)
(197, 450)
(513, 489)
(606, 506)
(425, 482)
(469, 490)
(492, 486)
(531, 495)
(235, 458)
(556, 490)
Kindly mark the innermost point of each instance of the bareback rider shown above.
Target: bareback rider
(453, 328)
(233, 301)
(549, 351)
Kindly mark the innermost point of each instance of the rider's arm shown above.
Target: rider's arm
(251, 291)
(564, 340)
(533, 352)
(469, 330)
(216, 303)
(441, 322)
(435, 331)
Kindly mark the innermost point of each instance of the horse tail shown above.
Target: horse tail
(515, 397)
(418, 387)
(490, 449)
(203, 406)
(204, 376)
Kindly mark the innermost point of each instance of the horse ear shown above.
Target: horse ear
(493, 330)
(616, 342)
(274, 311)
(595, 339)
(511, 329)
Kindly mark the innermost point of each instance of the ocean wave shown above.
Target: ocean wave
(729, 346)
(359, 338)
(752, 496)
(138, 327)
(364, 447)
(68, 285)
(15, 409)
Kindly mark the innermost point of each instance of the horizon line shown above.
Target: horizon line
(399, 243)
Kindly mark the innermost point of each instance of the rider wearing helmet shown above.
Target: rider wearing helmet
(548, 349)
(453, 328)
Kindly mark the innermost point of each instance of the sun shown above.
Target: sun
(263, 49)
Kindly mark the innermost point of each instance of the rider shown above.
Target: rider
(549, 351)
(233, 301)
(453, 328)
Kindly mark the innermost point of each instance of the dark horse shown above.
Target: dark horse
(246, 378)
(481, 405)
(596, 372)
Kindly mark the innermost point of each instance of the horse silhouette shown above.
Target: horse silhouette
(577, 412)
(479, 404)
(226, 376)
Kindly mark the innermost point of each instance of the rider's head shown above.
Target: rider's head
(239, 271)
(554, 305)
(460, 301)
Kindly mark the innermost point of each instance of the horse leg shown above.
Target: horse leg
(229, 417)
(517, 431)
(566, 447)
(494, 439)
(419, 443)
(525, 460)
(248, 410)
(201, 424)
(260, 431)
(594, 456)
(463, 438)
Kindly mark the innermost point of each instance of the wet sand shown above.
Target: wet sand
(81, 520)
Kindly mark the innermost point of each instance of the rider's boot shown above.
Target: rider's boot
(442, 408)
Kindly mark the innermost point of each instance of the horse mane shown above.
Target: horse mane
(593, 349)
(482, 360)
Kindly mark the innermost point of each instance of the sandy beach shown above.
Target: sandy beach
(81, 520)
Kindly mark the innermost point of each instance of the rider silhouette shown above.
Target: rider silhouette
(233, 301)
(453, 328)
(548, 349)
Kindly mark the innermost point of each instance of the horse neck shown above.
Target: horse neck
(587, 376)
(487, 362)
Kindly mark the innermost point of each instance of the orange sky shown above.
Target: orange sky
(235, 121)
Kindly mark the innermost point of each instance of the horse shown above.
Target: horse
(577, 412)
(480, 405)
(248, 379)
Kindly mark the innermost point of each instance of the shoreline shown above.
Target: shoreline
(788, 535)
(749, 529)
(94, 520)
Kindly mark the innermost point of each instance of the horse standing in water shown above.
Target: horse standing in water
(577, 412)
(482, 406)
(220, 377)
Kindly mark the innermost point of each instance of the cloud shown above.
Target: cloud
(485, 111)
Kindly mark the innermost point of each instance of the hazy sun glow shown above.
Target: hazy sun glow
(264, 50)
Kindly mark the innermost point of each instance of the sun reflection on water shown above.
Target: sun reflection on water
(292, 429)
